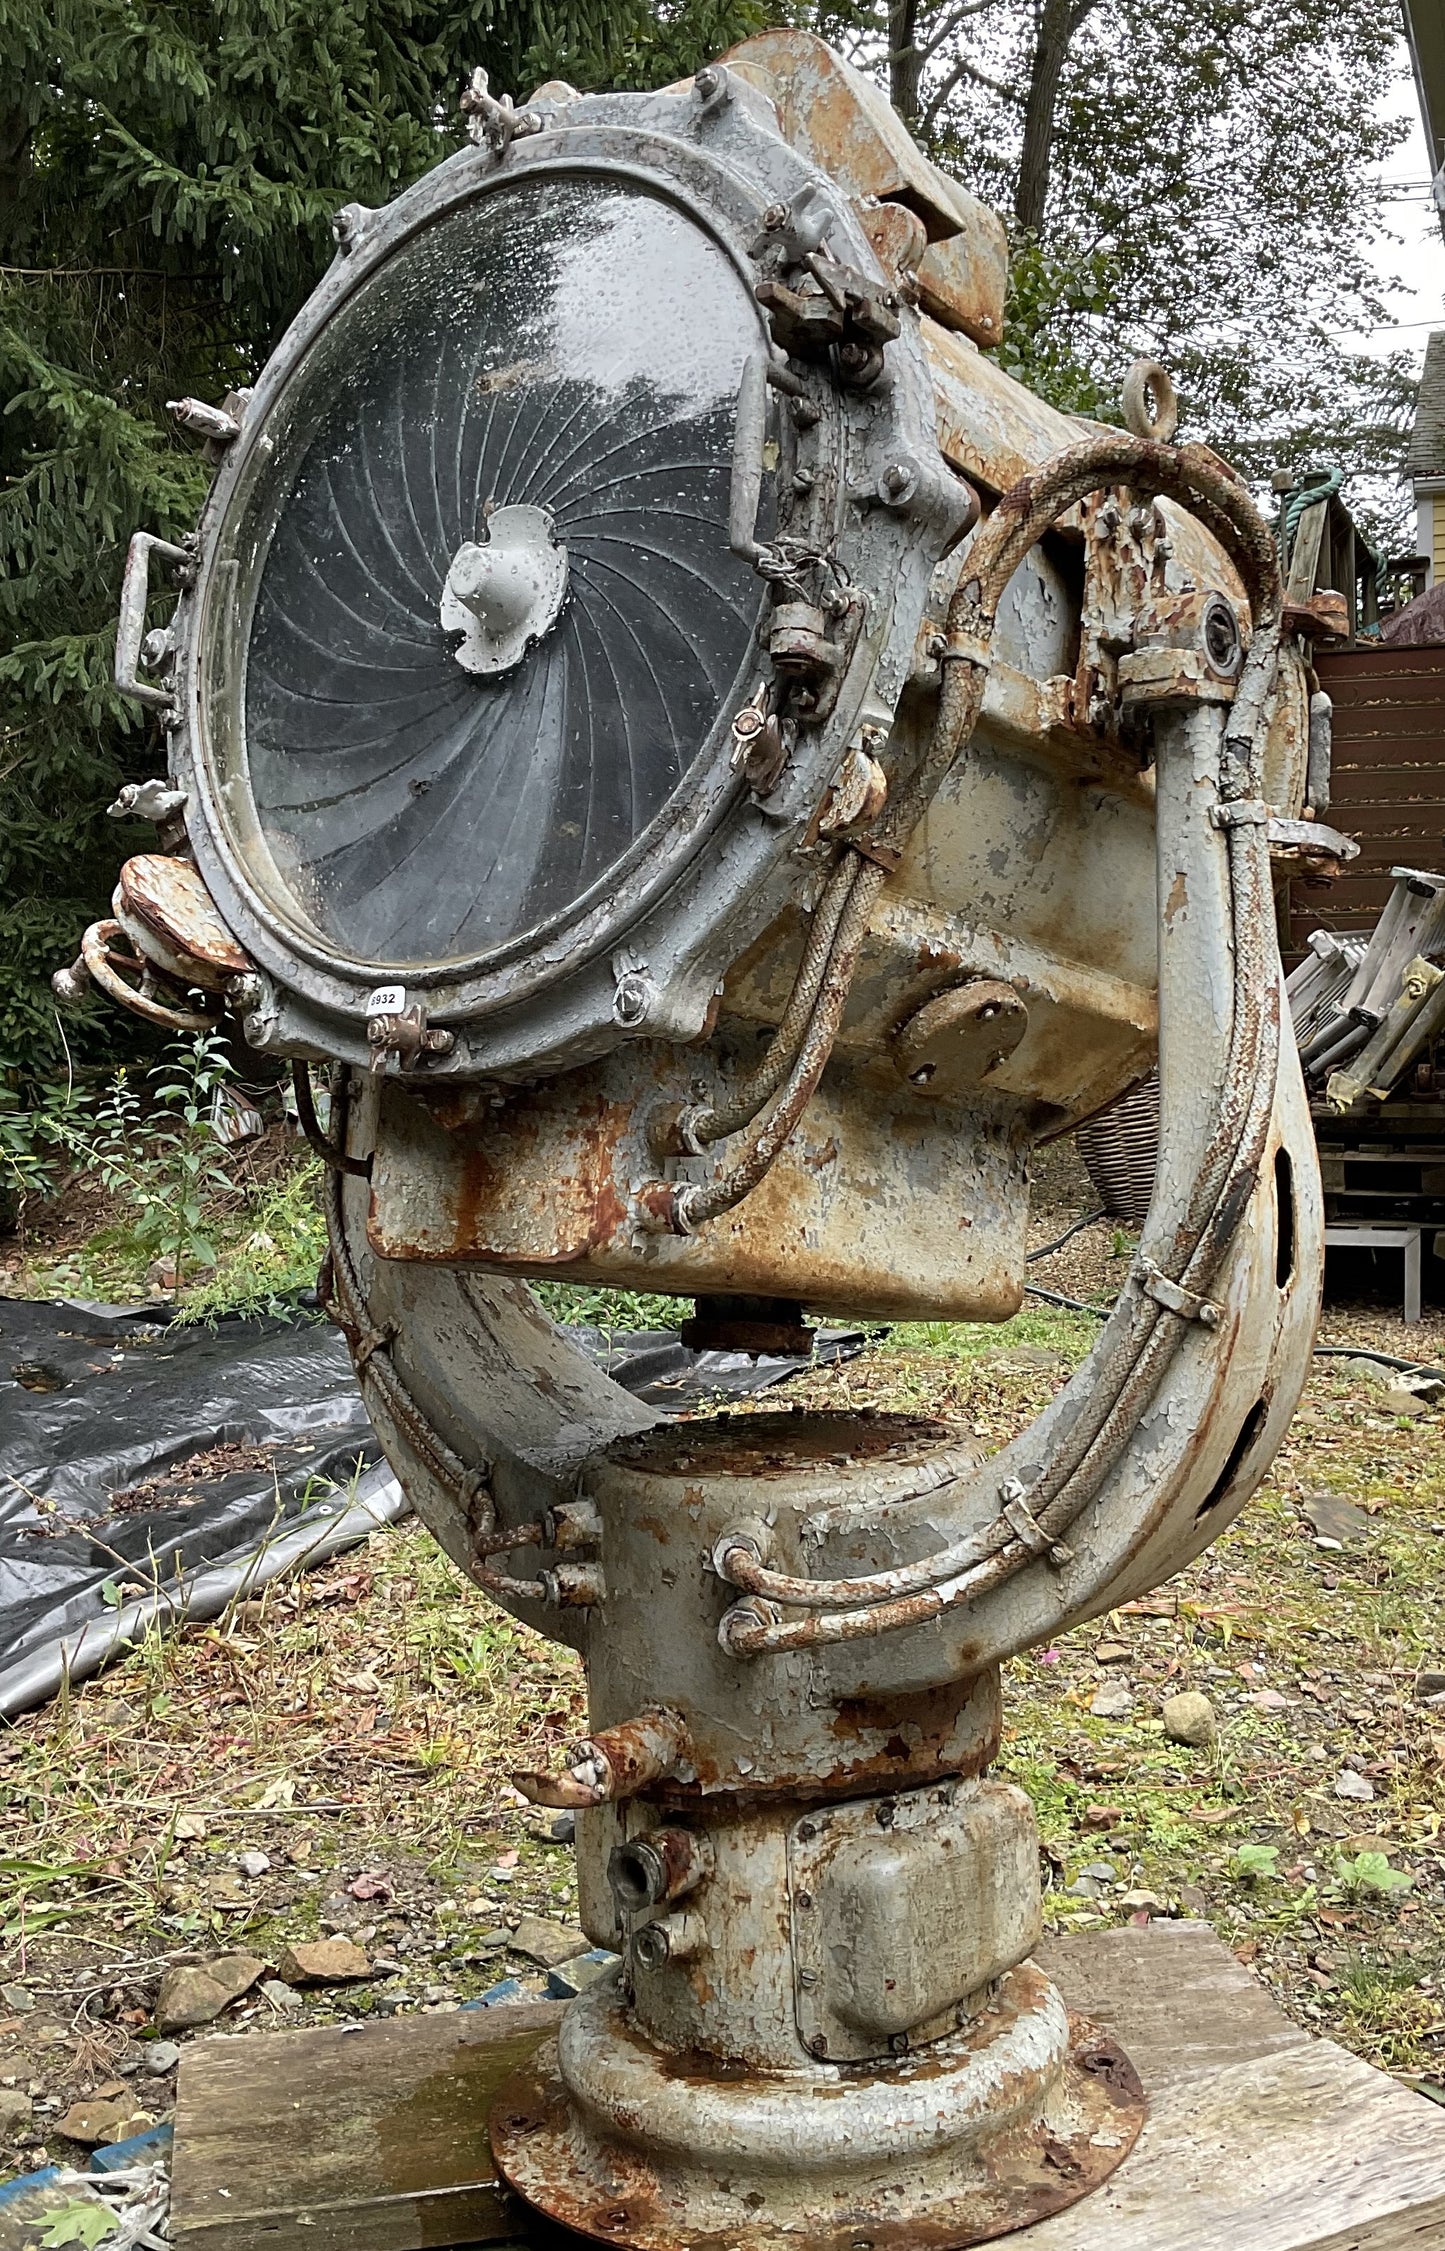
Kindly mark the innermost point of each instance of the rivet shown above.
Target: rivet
(818, 2045)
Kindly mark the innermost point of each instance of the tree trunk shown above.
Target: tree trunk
(905, 66)
(1058, 22)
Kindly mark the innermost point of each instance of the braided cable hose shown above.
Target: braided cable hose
(1139, 1341)
(693, 1203)
(738, 1108)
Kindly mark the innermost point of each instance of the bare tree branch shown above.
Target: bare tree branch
(963, 69)
(951, 23)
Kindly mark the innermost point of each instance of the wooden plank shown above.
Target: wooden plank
(368, 2137)
(1306, 2150)
(1259, 2138)
(1217, 2012)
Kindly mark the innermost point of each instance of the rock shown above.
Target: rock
(1114, 1701)
(133, 2122)
(564, 1828)
(1193, 1900)
(1084, 1887)
(281, 1996)
(325, 1961)
(18, 2000)
(229, 1894)
(548, 1943)
(1100, 1871)
(1189, 1718)
(190, 1828)
(1429, 1685)
(1356, 1787)
(160, 2057)
(1370, 1371)
(491, 1942)
(1335, 1518)
(253, 1863)
(1143, 1902)
(92, 2122)
(1268, 1700)
(15, 2113)
(1111, 1652)
(1399, 1399)
(198, 1992)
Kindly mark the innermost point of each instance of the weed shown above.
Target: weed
(1371, 1872)
(584, 1307)
(272, 1264)
(161, 1163)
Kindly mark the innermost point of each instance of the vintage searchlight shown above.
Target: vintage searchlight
(719, 773)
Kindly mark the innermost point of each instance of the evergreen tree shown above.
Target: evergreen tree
(168, 172)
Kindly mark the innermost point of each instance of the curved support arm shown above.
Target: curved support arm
(1162, 1435)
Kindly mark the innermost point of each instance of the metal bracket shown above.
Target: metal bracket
(497, 123)
(398, 1034)
(1021, 1519)
(1175, 1297)
(1243, 812)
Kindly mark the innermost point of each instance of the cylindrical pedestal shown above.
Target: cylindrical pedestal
(1012, 2118)
(826, 2031)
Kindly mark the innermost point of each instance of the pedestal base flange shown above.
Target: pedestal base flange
(1017, 2116)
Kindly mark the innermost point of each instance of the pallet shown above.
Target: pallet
(1259, 2138)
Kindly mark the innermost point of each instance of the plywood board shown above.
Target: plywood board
(1259, 2138)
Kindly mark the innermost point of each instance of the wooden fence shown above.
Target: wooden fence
(1389, 780)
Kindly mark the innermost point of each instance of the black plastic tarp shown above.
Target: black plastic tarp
(150, 1470)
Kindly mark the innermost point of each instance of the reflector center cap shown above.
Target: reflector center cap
(505, 592)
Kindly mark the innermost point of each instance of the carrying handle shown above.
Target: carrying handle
(750, 436)
(131, 624)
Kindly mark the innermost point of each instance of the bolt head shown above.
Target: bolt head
(631, 998)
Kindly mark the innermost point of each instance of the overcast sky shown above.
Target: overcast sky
(1418, 258)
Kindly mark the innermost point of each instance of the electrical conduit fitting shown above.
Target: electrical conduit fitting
(619, 1762)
